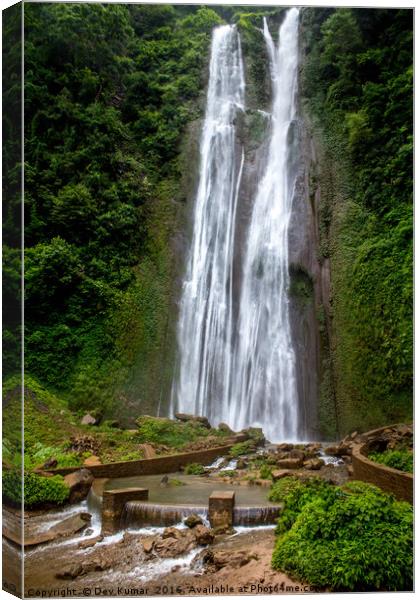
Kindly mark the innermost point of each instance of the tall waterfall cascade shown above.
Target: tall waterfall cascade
(237, 360)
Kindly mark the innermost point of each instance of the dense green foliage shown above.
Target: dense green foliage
(108, 95)
(347, 538)
(37, 490)
(357, 86)
(397, 459)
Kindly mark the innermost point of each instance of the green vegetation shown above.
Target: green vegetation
(108, 95)
(357, 88)
(176, 434)
(266, 471)
(349, 538)
(397, 459)
(242, 448)
(37, 490)
(194, 469)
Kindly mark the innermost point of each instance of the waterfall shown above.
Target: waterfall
(264, 390)
(206, 312)
(241, 369)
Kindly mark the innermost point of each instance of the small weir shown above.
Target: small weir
(141, 514)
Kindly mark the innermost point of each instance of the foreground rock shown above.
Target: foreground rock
(79, 484)
(70, 526)
(214, 560)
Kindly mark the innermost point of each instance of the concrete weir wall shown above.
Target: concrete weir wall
(150, 466)
(391, 480)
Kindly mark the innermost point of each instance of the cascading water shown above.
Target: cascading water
(206, 311)
(241, 370)
(264, 390)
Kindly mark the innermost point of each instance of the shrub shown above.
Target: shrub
(350, 538)
(294, 494)
(397, 459)
(37, 490)
(194, 469)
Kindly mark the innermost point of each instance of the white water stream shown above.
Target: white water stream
(241, 370)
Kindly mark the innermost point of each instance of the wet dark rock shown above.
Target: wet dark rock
(79, 483)
(193, 520)
(65, 528)
(164, 482)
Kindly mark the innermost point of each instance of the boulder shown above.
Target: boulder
(203, 535)
(279, 474)
(256, 434)
(297, 454)
(174, 542)
(88, 419)
(185, 418)
(193, 520)
(313, 464)
(284, 447)
(147, 450)
(148, 544)
(225, 428)
(92, 461)
(290, 463)
(214, 560)
(79, 484)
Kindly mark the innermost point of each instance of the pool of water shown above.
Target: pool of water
(193, 491)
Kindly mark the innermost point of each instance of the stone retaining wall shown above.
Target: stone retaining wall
(150, 466)
(390, 480)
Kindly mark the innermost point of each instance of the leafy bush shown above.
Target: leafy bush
(397, 459)
(294, 494)
(194, 469)
(353, 538)
(37, 490)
